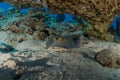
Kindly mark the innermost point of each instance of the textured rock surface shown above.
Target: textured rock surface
(109, 58)
(59, 63)
(13, 39)
(30, 44)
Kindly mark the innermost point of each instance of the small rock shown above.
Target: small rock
(10, 64)
(109, 58)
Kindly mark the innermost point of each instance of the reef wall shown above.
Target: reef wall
(98, 13)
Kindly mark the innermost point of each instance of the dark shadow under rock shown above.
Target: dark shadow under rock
(4, 48)
(30, 69)
(40, 62)
(7, 74)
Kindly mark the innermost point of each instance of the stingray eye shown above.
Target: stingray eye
(60, 39)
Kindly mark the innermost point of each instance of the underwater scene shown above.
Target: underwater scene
(59, 39)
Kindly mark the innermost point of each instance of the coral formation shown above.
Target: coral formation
(95, 10)
(28, 25)
(98, 33)
(98, 13)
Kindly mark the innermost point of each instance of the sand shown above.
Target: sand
(32, 61)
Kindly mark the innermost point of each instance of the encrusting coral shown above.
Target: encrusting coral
(29, 25)
(98, 13)
(94, 11)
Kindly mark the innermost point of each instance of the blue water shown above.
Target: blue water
(24, 11)
(114, 24)
(5, 6)
(62, 17)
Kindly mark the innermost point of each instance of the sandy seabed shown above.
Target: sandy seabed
(33, 61)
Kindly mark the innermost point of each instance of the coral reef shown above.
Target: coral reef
(29, 25)
(36, 23)
(98, 33)
(35, 33)
(98, 13)
(97, 10)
